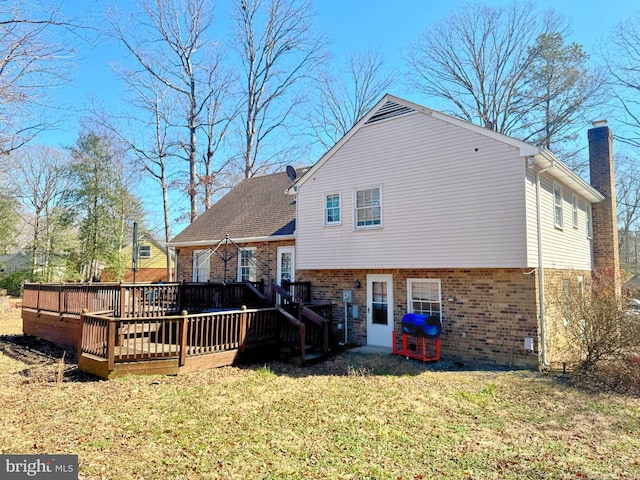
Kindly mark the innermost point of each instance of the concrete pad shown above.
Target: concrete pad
(371, 350)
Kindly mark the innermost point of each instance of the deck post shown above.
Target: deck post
(122, 302)
(111, 343)
(183, 337)
(82, 314)
(303, 345)
(243, 327)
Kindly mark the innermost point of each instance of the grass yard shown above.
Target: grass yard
(353, 417)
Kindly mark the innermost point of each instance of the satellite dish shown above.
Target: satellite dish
(291, 173)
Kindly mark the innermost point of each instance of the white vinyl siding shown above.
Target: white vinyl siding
(558, 202)
(555, 254)
(332, 209)
(451, 198)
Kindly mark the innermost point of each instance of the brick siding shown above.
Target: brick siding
(490, 313)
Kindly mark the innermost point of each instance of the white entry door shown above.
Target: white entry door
(286, 264)
(379, 310)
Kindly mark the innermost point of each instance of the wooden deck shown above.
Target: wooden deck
(138, 331)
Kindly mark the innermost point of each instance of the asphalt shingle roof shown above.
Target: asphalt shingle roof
(256, 207)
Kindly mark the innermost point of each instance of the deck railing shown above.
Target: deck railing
(138, 300)
(181, 336)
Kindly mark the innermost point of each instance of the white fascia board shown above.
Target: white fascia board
(567, 176)
(200, 243)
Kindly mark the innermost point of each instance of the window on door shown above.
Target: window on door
(424, 297)
(247, 271)
(379, 303)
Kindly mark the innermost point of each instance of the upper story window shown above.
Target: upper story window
(332, 209)
(574, 204)
(589, 221)
(368, 208)
(144, 251)
(557, 205)
(247, 271)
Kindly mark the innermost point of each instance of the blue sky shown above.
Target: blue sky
(352, 25)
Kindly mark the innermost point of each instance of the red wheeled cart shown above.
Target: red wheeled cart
(418, 348)
(420, 337)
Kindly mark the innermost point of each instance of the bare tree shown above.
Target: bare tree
(342, 101)
(622, 59)
(32, 61)
(277, 49)
(40, 182)
(147, 135)
(169, 42)
(478, 60)
(219, 113)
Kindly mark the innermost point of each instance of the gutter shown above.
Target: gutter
(198, 243)
(543, 327)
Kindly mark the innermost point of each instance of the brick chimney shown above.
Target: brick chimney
(605, 224)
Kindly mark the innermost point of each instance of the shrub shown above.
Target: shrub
(596, 322)
(14, 281)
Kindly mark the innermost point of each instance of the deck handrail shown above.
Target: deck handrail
(302, 331)
(120, 339)
(139, 299)
(320, 321)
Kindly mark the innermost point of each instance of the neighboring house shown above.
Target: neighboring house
(416, 211)
(247, 235)
(14, 262)
(152, 262)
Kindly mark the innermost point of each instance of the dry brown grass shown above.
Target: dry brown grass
(353, 417)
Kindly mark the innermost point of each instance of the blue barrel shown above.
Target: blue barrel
(424, 326)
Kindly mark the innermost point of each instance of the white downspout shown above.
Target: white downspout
(543, 329)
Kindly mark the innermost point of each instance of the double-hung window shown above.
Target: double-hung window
(368, 208)
(589, 221)
(574, 204)
(424, 297)
(247, 271)
(144, 251)
(332, 209)
(557, 205)
(201, 268)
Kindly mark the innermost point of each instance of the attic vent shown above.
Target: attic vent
(389, 110)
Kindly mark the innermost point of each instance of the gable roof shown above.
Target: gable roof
(258, 208)
(390, 106)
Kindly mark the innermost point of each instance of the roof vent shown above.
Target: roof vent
(389, 110)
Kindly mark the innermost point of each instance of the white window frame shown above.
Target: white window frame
(558, 209)
(147, 248)
(589, 221)
(326, 209)
(356, 209)
(201, 265)
(411, 281)
(253, 269)
(576, 209)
